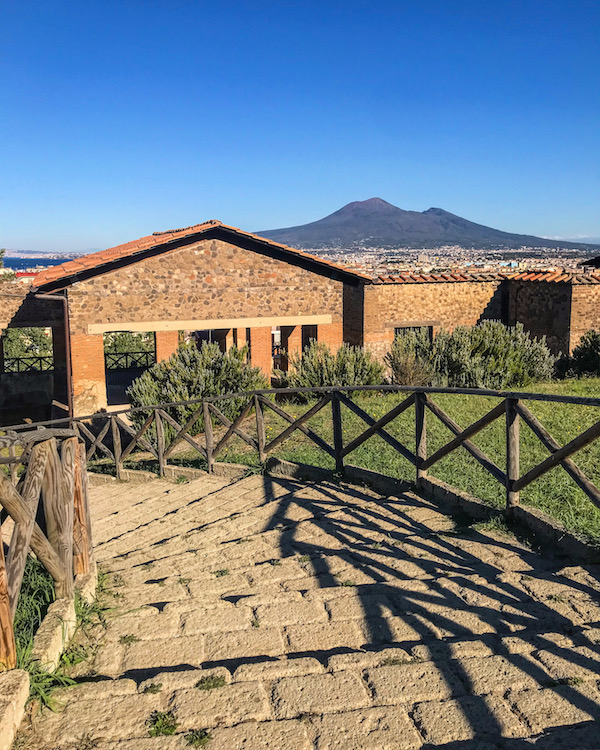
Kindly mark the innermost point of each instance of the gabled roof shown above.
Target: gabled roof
(57, 277)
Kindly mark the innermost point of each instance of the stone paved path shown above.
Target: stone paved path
(282, 615)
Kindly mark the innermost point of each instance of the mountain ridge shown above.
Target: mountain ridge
(377, 223)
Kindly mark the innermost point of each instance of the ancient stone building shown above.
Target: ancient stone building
(236, 287)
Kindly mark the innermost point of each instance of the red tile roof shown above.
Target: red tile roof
(538, 276)
(54, 275)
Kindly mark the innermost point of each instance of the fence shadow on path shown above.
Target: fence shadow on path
(490, 615)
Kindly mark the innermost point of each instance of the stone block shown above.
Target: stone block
(243, 644)
(410, 683)
(367, 729)
(228, 705)
(318, 694)
(14, 691)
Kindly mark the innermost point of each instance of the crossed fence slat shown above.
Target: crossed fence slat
(317, 439)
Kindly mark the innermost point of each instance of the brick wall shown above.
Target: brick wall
(89, 385)
(261, 349)
(166, 344)
(585, 311)
(332, 335)
(441, 305)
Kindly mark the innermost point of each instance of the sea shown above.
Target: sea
(22, 264)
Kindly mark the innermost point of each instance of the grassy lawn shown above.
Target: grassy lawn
(555, 492)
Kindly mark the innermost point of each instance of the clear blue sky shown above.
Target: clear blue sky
(122, 117)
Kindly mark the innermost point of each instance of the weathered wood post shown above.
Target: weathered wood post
(57, 489)
(260, 429)
(420, 435)
(8, 649)
(82, 527)
(160, 442)
(116, 436)
(513, 467)
(208, 436)
(338, 438)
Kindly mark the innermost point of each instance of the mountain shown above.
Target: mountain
(376, 223)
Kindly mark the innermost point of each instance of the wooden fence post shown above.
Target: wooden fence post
(116, 436)
(8, 649)
(420, 436)
(82, 535)
(260, 429)
(208, 436)
(338, 439)
(57, 487)
(160, 443)
(512, 453)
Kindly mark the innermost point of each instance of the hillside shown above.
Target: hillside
(376, 223)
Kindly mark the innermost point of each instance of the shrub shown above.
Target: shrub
(195, 373)
(317, 367)
(488, 355)
(586, 355)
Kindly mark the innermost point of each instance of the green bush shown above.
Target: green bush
(488, 355)
(195, 373)
(586, 355)
(317, 367)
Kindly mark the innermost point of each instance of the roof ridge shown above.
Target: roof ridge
(211, 222)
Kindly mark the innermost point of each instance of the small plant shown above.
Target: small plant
(303, 559)
(495, 523)
(161, 723)
(557, 598)
(77, 653)
(242, 541)
(153, 687)
(255, 623)
(182, 479)
(198, 737)
(392, 661)
(274, 561)
(118, 580)
(149, 564)
(127, 640)
(211, 682)
(183, 581)
(221, 573)
(347, 583)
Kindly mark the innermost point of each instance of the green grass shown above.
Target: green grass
(554, 493)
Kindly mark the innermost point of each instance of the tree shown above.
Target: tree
(27, 342)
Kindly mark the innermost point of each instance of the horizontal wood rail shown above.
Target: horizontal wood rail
(57, 530)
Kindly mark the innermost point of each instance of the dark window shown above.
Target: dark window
(309, 333)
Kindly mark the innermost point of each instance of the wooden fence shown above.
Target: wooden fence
(58, 533)
(113, 436)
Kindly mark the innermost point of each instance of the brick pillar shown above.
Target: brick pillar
(88, 373)
(331, 334)
(291, 341)
(166, 344)
(229, 339)
(260, 349)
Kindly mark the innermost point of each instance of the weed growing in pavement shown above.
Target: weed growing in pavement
(161, 723)
(153, 687)
(127, 640)
(182, 479)
(198, 737)
(210, 682)
(221, 573)
(255, 623)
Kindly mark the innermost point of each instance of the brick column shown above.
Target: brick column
(166, 344)
(331, 334)
(260, 349)
(229, 339)
(88, 373)
(291, 341)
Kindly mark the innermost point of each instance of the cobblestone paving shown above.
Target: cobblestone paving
(282, 615)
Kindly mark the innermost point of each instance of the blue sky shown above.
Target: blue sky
(123, 117)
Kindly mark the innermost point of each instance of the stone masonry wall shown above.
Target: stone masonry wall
(441, 305)
(544, 309)
(210, 279)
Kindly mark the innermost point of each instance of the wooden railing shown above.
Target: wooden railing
(160, 436)
(29, 364)
(54, 470)
(128, 360)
